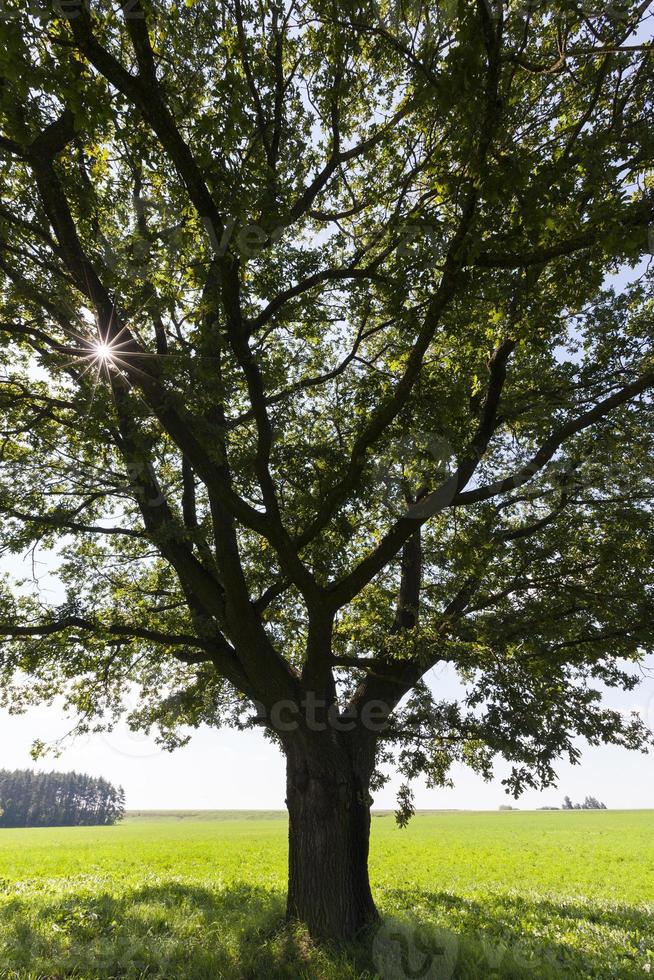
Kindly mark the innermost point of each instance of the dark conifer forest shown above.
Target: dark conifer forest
(58, 799)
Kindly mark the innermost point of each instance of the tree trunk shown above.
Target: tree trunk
(328, 803)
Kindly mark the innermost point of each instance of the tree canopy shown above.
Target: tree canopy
(327, 358)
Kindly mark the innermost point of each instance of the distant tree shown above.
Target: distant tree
(590, 803)
(58, 799)
(314, 378)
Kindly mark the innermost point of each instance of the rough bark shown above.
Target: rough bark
(328, 802)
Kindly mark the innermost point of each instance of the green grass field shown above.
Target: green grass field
(468, 895)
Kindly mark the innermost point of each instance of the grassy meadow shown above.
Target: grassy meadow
(200, 896)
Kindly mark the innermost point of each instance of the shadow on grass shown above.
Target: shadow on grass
(508, 935)
(182, 931)
(166, 929)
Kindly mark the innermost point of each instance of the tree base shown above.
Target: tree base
(329, 831)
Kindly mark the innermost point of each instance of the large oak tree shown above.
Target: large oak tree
(315, 375)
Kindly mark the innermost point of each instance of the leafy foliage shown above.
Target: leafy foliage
(316, 372)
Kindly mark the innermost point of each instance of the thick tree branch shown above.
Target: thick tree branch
(450, 281)
(555, 441)
(430, 503)
(635, 216)
(144, 92)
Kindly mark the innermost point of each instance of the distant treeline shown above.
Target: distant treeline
(590, 803)
(57, 799)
